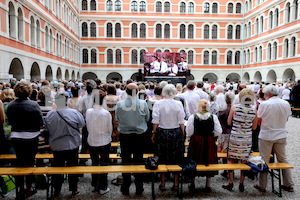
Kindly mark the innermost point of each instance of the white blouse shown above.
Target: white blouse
(190, 124)
(168, 113)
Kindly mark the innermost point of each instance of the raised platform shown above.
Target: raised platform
(174, 79)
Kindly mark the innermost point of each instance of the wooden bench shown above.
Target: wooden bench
(17, 171)
(296, 112)
(216, 167)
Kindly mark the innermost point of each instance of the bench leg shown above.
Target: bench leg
(152, 186)
(181, 185)
(276, 174)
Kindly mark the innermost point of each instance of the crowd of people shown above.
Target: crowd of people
(146, 117)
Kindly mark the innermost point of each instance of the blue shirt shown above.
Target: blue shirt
(132, 115)
(61, 135)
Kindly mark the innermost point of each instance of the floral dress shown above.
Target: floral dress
(240, 141)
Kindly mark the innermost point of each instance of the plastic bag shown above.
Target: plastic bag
(257, 164)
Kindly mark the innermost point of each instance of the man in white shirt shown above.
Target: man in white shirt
(155, 65)
(200, 92)
(191, 97)
(182, 66)
(273, 115)
(220, 97)
(173, 69)
(163, 66)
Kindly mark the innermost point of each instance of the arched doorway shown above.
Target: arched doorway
(35, 73)
(78, 75)
(58, 74)
(73, 76)
(16, 69)
(246, 77)
(114, 76)
(138, 76)
(233, 77)
(288, 75)
(210, 77)
(49, 74)
(257, 77)
(89, 75)
(67, 76)
(271, 76)
(190, 77)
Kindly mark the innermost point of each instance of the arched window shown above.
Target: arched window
(109, 30)
(214, 8)
(260, 54)
(237, 57)
(269, 52)
(85, 56)
(143, 30)
(47, 38)
(250, 4)
(118, 30)
(166, 7)
(238, 32)
(230, 8)
(167, 31)
(142, 6)
(287, 12)
(142, 54)
(182, 7)
(249, 29)
(206, 7)
(38, 34)
(12, 21)
(182, 31)
(118, 56)
(261, 24)
(60, 45)
(167, 51)
(271, 20)
(110, 56)
(296, 7)
(206, 32)
(275, 50)
(245, 31)
(229, 32)
(190, 57)
(118, 5)
(286, 48)
(214, 57)
(293, 46)
(134, 31)
(84, 28)
(248, 56)
(134, 58)
(51, 41)
(238, 8)
(20, 25)
(83, 5)
(93, 56)
(158, 6)
(244, 57)
(93, 29)
(93, 5)
(206, 58)
(191, 31)
(214, 34)
(32, 31)
(158, 31)
(276, 18)
(134, 6)
(109, 5)
(66, 14)
(182, 52)
(190, 7)
(229, 57)
(255, 54)
(257, 26)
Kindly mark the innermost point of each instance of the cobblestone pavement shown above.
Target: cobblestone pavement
(293, 151)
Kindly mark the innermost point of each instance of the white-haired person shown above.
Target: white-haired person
(243, 119)
(272, 116)
(168, 131)
(220, 100)
(203, 128)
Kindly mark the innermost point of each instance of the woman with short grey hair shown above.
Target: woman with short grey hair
(271, 89)
(168, 131)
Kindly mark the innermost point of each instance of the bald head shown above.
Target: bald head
(132, 89)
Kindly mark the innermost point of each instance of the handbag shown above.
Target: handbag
(67, 121)
(151, 162)
(257, 164)
(188, 166)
